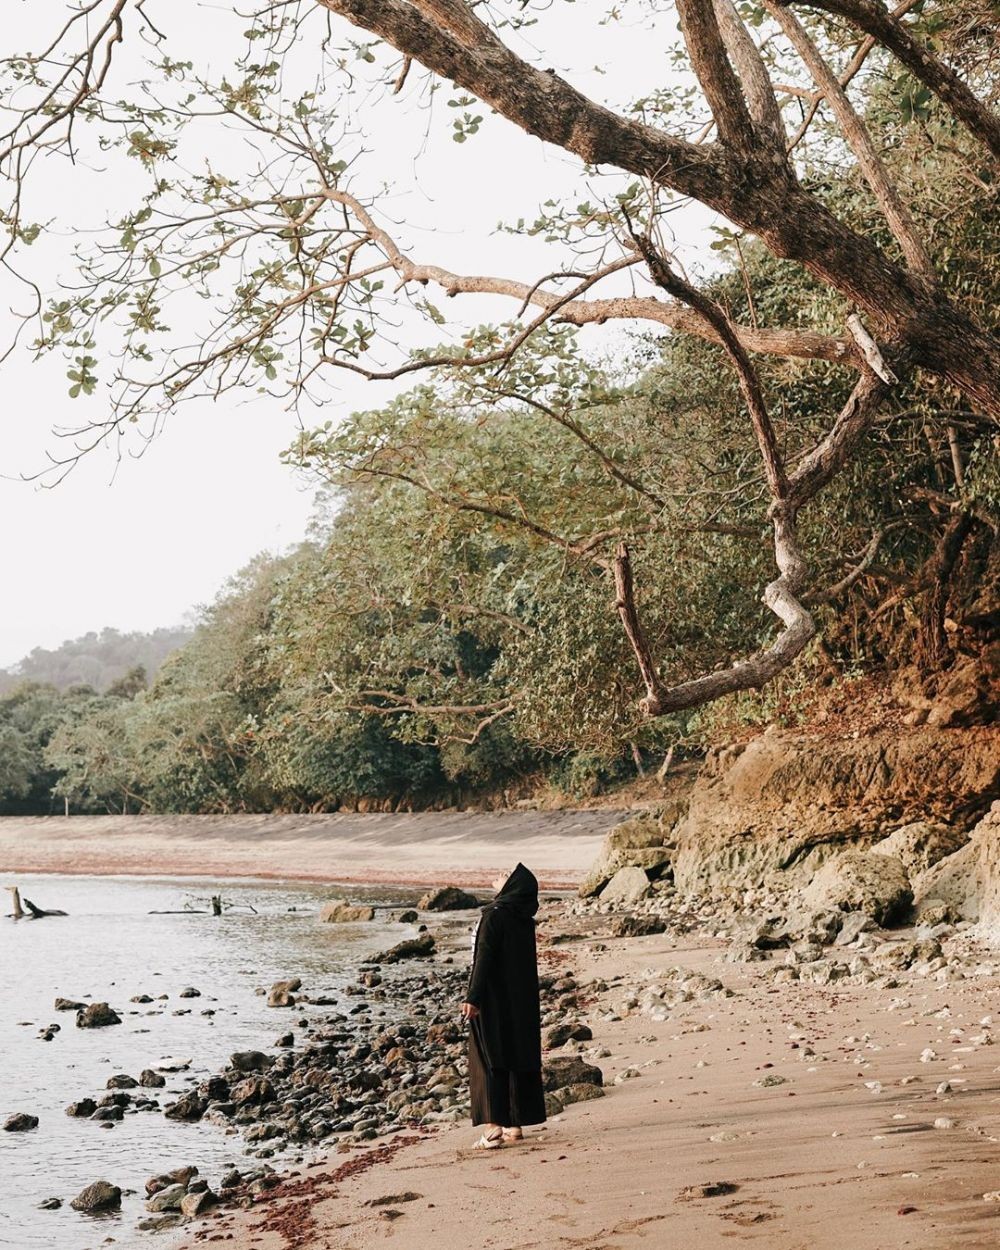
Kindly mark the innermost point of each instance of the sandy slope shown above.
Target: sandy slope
(411, 847)
(821, 1162)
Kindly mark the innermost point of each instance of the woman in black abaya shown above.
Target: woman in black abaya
(502, 1008)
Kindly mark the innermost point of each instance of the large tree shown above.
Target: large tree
(757, 121)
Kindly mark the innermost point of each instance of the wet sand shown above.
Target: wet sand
(433, 848)
(841, 1154)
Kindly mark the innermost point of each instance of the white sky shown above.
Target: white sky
(138, 545)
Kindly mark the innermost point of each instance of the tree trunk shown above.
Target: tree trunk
(932, 646)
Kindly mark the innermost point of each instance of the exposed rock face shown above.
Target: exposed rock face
(448, 898)
(340, 911)
(775, 809)
(921, 845)
(986, 838)
(628, 885)
(861, 881)
(644, 841)
(950, 890)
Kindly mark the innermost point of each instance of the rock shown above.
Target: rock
(855, 923)
(254, 1090)
(20, 1122)
(965, 696)
(50, 1204)
(196, 1204)
(628, 885)
(637, 926)
(921, 845)
(560, 1034)
(188, 1107)
(986, 840)
(85, 1107)
(121, 1081)
(408, 917)
(167, 1199)
(97, 1016)
(569, 1070)
(412, 948)
(580, 1091)
(190, 992)
(250, 1061)
(340, 911)
(100, 1196)
(151, 1080)
(179, 1176)
(710, 1189)
(640, 842)
(282, 993)
(215, 1089)
(860, 881)
(448, 898)
(69, 1004)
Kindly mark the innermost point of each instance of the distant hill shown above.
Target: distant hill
(95, 659)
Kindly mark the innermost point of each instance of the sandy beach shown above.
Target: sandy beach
(461, 848)
(793, 1117)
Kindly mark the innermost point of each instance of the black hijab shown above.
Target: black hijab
(519, 893)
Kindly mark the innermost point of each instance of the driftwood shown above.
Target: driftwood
(34, 913)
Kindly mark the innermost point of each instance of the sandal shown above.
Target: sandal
(513, 1134)
(492, 1140)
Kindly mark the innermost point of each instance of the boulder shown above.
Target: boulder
(628, 885)
(637, 926)
(860, 881)
(639, 842)
(179, 1176)
(580, 1091)
(83, 1108)
(151, 1080)
(97, 1016)
(340, 911)
(166, 1199)
(855, 923)
(196, 1204)
(100, 1196)
(412, 948)
(951, 888)
(189, 1107)
(255, 1090)
(20, 1122)
(408, 917)
(921, 845)
(69, 1004)
(448, 898)
(282, 993)
(986, 840)
(121, 1081)
(250, 1061)
(570, 1070)
(560, 1034)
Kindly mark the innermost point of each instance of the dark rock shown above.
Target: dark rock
(111, 1113)
(282, 993)
(97, 1016)
(151, 1079)
(166, 1199)
(255, 1089)
(560, 1034)
(20, 1122)
(570, 1070)
(215, 1089)
(121, 1081)
(250, 1061)
(188, 1107)
(408, 917)
(50, 1204)
(100, 1196)
(179, 1176)
(190, 992)
(579, 1091)
(412, 948)
(448, 898)
(637, 926)
(286, 1039)
(69, 1004)
(85, 1107)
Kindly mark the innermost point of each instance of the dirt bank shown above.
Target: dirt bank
(466, 848)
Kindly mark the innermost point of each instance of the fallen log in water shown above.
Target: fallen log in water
(34, 913)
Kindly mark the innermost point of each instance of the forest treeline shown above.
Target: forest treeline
(449, 629)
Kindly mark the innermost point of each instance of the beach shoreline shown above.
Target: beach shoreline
(408, 849)
(788, 1115)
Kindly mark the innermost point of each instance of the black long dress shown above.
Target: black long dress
(505, 1043)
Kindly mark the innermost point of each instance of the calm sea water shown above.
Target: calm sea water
(110, 948)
